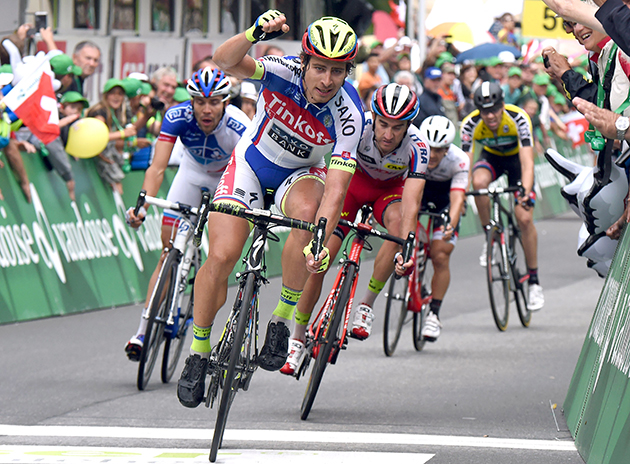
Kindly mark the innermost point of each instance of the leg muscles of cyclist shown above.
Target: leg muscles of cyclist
(440, 256)
(481, 178)
(525, 219)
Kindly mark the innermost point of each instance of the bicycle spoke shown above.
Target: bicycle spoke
(520, 276)
(498, 281)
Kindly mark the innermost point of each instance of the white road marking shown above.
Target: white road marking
(286, 436)
(93, 455)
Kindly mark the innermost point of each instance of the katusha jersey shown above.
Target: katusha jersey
(515, 131)
(292, 133)
(450, 174)
(211, 151)
(408, 160)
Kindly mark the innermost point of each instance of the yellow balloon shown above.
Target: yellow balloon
(87, 138)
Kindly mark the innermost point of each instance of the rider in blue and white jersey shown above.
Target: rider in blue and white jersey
(209, 129)
(305, 110)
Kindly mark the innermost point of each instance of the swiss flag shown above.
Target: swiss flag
(33, 101)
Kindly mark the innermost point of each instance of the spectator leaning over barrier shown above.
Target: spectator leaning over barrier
(72, 105)
(112, 111)
(65, 71)
(87, 56)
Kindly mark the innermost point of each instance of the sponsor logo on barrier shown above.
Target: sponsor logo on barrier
(79, 240)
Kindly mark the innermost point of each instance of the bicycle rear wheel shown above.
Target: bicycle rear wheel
(174, 342)
(232, 379)
(424, 277)
(324, 344)
(520, 276)
(498, 280)
(395, 312)
(154, 334)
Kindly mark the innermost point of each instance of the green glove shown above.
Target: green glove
(256, 34)
(325, 262)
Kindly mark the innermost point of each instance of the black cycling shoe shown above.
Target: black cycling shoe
(191, 385)
(275, 351)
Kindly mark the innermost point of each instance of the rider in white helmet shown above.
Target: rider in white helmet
(447, 179)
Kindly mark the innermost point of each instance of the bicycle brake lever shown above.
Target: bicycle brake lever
(202, 218)
(140, 203)
(319, 236)
(407, 250)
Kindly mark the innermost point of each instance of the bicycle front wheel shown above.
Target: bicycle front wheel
(174, 341)
(395, 312)
(424, 278)
(323, 345)
(165, 288)
(232, 379)
(520, 276)
(498, 280)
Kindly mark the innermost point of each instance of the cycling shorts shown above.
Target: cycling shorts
(497, 165)
(186, 188)
(364, 190)
(249, 175)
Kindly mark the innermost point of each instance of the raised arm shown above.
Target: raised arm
(232, 57)
(578, 11)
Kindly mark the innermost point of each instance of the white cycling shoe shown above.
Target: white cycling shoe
(536, 297)
(362, 322)
(296, 350)
(432, 328)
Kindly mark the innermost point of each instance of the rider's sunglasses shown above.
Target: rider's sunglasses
(568, 26)
(493, 109)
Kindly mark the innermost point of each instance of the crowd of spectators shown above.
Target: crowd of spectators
(132, 108)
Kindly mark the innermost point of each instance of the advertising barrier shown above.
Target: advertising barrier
(596, 407)
(61, 257)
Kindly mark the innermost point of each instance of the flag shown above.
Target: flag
(33, 101)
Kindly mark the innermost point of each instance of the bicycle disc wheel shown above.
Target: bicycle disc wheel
(498, 281)
(519, 278)
(421, 316)
(174, 342)
(232, 377)
(395, 312)
(154, 334)
(325, 343)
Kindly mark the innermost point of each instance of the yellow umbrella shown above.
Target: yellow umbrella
(455, 32)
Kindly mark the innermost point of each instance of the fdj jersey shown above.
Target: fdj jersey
(210, 151)
(514, 131)
(292, 133)
(410, 158)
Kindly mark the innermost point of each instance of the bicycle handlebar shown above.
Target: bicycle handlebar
(140, 202)
(263, 215)
(444, 214)
(498, 190)
(365, 229)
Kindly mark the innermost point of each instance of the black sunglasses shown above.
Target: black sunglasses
(568, 26)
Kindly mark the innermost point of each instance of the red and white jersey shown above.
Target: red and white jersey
(453, 169)
(408, 160)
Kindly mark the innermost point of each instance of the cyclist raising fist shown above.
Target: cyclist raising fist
(305, 110)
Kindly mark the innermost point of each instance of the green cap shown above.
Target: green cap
(146, 88)
(515, 71)
(541, 79)
(445, 57)
(6, 68)
(74, 97)
(181, 95)
(111, 83)
(63, 65)
(494, 61)
(133, 87)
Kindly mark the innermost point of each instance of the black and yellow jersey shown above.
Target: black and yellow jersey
(515, 131)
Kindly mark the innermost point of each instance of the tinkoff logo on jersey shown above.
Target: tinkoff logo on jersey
(295, 118)
(343, 162)
(289, 143)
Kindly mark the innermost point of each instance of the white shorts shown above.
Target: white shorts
(249, 175)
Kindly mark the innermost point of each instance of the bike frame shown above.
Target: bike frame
(423, 239)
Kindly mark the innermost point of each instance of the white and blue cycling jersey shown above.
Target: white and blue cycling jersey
(204, 156)
(211, 151)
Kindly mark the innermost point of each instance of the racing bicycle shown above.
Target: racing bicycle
(327, 335)
(170, 308)
(233, 360)
(506, 268)
(408, 297)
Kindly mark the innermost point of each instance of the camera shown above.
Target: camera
(156, 104)
(41, 20)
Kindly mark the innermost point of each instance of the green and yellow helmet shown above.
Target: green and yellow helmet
(331, 39)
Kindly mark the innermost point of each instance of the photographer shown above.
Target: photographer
(164, 81)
